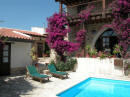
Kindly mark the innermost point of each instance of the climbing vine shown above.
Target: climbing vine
(121, 23)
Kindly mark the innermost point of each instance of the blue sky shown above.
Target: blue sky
(24, 14)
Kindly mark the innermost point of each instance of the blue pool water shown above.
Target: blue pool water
(97, 87)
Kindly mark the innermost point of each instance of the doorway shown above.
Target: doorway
(40, 49)
(107, 41)
(5, 53)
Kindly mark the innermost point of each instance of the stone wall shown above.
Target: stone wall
(93, 31)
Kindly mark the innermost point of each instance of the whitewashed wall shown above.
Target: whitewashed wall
(39, 30)
(98, 66)
(20, 54)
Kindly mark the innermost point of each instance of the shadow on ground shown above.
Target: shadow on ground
(14, 86)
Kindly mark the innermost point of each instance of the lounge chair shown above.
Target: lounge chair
(55, 73)
(32, 72)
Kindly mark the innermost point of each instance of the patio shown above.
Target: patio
(18, 86)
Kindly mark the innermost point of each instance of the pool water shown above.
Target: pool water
(97, 87)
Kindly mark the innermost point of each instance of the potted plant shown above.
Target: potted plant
(102, 55)
(93, 53)
(87, 55)
(33, 55)
(117, 51)
(88, 48)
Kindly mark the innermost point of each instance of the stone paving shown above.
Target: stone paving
(19, 86)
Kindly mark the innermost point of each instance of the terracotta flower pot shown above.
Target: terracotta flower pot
(87, 56)
(94, 56)
(114, 56)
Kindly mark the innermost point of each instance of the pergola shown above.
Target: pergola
(72, 3)
(103, 16)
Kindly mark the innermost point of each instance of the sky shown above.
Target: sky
(24, 14)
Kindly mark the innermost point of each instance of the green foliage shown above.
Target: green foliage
(90, 51)
(33, 54)
(65, 66)
(117, 49)
(88, 47)
(93, 52)
(102, 55)
(52, 62)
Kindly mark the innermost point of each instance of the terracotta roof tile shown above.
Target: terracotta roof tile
(12, 33)
(24, 31)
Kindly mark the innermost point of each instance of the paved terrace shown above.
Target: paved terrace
(18, 86)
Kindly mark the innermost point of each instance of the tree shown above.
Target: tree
(57, 31)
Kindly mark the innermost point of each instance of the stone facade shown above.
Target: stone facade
(94, 29)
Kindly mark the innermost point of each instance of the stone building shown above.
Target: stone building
(97, 36)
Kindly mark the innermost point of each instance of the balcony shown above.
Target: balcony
(96, 16)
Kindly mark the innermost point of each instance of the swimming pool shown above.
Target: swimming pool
(98, 87)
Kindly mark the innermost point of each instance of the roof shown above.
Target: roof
(75, 2)
(19, 34)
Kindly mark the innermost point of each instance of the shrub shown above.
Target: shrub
(65, 66)
(91, 52)
(117, 50)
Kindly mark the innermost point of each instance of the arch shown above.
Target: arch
(98, 35)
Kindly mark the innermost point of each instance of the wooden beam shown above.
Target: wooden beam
(61, 7)
(83, 3)
(103, 5)
(103, 8)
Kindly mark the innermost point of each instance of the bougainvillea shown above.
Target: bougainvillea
(84, 15)
(57, 31)
(80, 38)
(81, 34)
(58, 27)
(121, 23)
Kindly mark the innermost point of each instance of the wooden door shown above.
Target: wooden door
(5, 53)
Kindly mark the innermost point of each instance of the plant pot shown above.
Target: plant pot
(114, 56)
(94, 56)
(118, 62)
(78, 55)
(87, 56)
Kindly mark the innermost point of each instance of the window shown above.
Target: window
(105, 42)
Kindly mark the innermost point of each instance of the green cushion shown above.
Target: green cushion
(33, 72)
(39, 75)
(51, 68)
(60, 73)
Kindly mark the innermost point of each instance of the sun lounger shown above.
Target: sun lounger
(55, 73)
(32, 72)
